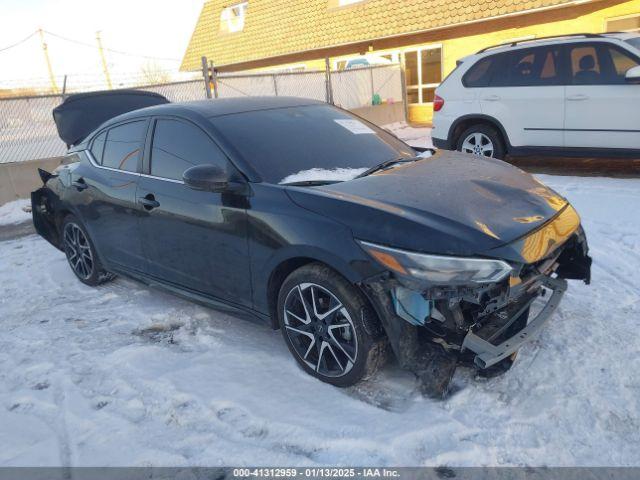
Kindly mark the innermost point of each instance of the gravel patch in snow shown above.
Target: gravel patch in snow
(126, 375)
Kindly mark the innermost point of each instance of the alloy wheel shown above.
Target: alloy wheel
(78, 251)
(478, 144)
(320, 329)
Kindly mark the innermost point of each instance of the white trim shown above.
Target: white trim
(92, 160)
(172, 180)
(229, 21)
(420, 86)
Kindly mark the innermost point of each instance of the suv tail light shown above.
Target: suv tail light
(438, 103)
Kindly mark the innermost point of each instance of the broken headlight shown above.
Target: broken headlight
(437, 269)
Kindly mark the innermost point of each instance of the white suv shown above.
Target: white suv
(570, 95)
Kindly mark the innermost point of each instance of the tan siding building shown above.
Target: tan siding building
(426, 36)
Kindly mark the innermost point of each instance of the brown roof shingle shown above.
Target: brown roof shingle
(280, 27)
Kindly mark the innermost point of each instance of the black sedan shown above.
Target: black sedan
(326, 226)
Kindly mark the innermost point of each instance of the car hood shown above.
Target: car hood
(450, 203)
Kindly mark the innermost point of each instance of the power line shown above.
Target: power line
(120, 52)
(19, 43)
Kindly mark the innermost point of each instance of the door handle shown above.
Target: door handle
(149, 202)
(80, 184)
(578, 97)
(492, 98)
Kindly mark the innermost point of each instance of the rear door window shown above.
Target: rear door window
(531, 67)
(585, 65)
(178, 146)
(123, 146)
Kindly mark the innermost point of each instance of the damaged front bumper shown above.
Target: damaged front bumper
(489, 353)
(432, 329)
(43, 205)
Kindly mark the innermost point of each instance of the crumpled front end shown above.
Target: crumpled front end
(44, 203)
(434, 327)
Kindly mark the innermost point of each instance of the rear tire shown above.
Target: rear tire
(81, 254)
(323, 320)
(482, 140)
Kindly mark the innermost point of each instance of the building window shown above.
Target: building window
(624, 24)
(232, 18)
(343, 3)
(423, 73)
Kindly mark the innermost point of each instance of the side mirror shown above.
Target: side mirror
(206, 177)
(633, 75)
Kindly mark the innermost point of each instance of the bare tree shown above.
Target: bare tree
(152, 73)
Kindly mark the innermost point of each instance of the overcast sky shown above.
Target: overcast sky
(158, 28)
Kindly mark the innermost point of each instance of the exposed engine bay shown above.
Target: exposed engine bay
(435, 329)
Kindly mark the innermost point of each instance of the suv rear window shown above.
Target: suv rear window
(537, 66)
(480, 74)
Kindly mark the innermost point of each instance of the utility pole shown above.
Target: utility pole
(205, 76)
(52, 78)
(105, 68)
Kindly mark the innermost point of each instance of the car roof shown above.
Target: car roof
(554, 40)
(216, 108)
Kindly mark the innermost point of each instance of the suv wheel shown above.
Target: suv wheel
(482, 140)
(322, 318)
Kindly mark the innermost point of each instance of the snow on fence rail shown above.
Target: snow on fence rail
(27, 130)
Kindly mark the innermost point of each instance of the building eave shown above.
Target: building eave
(362, 45)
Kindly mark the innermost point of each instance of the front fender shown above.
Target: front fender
(281, 231)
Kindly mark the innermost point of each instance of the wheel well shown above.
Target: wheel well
(277, 278)
(461, 126)
(59, 218)
(283, 270)
(55, 221)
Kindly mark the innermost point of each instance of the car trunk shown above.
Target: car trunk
(81, 114)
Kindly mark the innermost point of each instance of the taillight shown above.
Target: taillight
(438, 103)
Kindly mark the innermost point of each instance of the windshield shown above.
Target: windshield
(635, 42)
(308, 143)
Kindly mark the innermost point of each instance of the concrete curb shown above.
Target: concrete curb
(19, 179)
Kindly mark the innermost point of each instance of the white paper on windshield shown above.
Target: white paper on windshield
(354, 126)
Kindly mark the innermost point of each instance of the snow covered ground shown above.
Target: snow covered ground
(126, 375)
(15, 212)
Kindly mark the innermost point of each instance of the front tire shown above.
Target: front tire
(482, 140)
(81, 254)
(323, 320)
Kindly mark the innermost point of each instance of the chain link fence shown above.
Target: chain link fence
(27, 130)
(349, 89)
